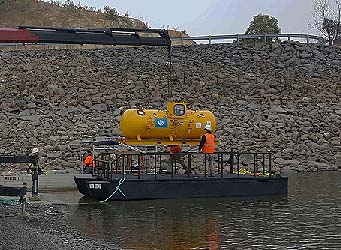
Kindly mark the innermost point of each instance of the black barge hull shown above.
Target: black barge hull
(82, 183)
(131, 189)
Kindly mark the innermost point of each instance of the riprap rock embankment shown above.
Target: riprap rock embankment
(280, 97)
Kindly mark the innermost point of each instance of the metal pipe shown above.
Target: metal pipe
(139, 167)
(155, 161)
(263, 164)
(238, 37)
(172, 165)
(117, 162)
(205, 166)
(238, 166)
(270, 170)
(111, 170)
(231, 162)
(122, 170)
(221, 165)
(254, 164)
(160, 162)
(189, 165)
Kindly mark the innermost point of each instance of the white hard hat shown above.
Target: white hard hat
(35, 150)
(208, 127)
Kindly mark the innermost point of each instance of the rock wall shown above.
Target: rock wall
(279, 97)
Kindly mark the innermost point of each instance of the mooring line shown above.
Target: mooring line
(120, 182)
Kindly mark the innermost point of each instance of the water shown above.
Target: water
(308, 218)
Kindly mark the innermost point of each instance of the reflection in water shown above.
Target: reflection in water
(213, 238)
(173, 224)
(89, 226)
(309, 218)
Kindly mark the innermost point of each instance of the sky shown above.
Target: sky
(212, 17)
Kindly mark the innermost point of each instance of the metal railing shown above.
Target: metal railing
(160, 165)
(239, 37)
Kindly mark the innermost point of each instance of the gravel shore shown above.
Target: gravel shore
(44, 226)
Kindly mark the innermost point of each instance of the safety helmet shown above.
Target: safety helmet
(208, 127)
(35, 151)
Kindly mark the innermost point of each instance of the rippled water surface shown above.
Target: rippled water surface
(308, 218)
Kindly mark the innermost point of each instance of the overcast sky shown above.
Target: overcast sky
(204, 17)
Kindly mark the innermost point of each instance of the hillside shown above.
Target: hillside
(40, 13)
(53, 14)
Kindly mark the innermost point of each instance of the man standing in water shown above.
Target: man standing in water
(207, 145)
(35, 170)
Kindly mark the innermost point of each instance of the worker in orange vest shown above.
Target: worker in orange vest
(175, 156)
(206, 145)
(173, 149)
(88, 163)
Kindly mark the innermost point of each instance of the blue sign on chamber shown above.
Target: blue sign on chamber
(161, 122)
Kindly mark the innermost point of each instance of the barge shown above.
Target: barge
(147, 175)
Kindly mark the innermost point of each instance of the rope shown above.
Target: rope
(120, 182)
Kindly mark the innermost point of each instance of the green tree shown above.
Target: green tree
(263, 24)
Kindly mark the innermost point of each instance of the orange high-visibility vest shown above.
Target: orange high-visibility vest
(175, 149)
(208, 147)
(88, 161)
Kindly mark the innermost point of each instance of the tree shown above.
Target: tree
(327, 18)
(262, 25)
(69, 4)
(110, 13)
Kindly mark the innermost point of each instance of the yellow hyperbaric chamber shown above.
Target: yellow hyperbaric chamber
(176, 125)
